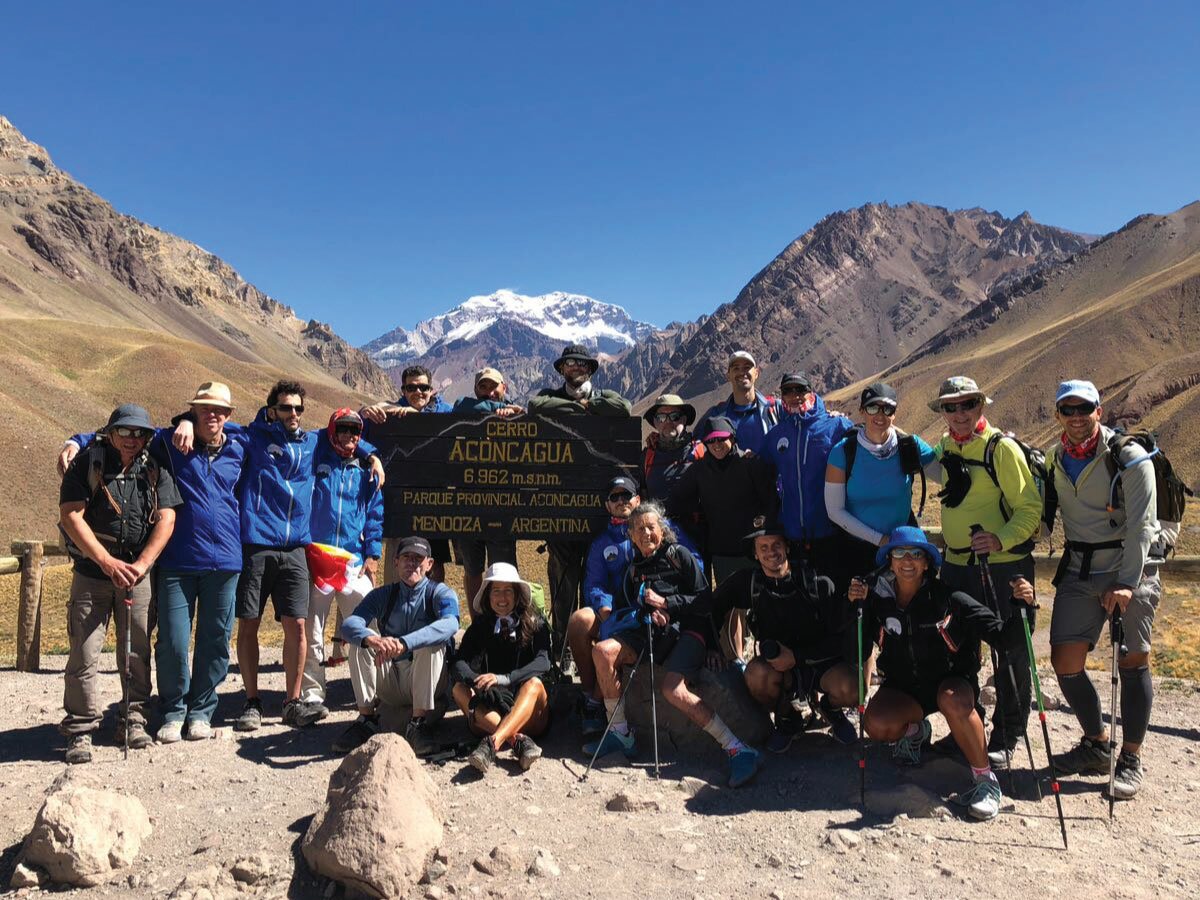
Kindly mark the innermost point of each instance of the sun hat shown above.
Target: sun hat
(500, 571)
(213, 393)
(576, 352)
(1081, 390)
(129, 415)
(908, 536)
(689, 411)
(957, 388)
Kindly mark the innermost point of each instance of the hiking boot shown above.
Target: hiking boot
(1128, 777)
(138, 737)
(315, 710)
(982, 801)
(198, 730)
(787, 729)
(907, 750)
(79, 749)
(744, 764)
(592, 719)
(1088, 757)
(840, 726)
(360, 731)
(299, 714)
(251, 717)
(170, 732)
(483, 756)
(419, 734)
(613, 741)
(526, 751)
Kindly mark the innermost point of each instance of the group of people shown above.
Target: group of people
(770, 534)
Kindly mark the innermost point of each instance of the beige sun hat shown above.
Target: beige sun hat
(501, 571)
(213, 393)
(957, 388)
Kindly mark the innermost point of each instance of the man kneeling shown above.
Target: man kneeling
(663, 583)
(799, 625)
(417, 621)
(499, 669)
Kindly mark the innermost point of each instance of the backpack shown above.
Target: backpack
(94, 460)
(910, 459)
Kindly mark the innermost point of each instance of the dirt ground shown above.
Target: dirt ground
(216, 801)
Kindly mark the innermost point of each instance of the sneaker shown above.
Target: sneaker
(483, 756)
(613, 741)
(982, 801)
(199, 730)
(1128, 777)
(360, 731)
(79, 749)
(251, 717)
(526, 751)
(592, 720)
(1088, 757)
(743, 765)
(1000, 756)
(419, 734)
(138, 737)
(840, 726)
(787, 729)
(907, 750)
(299, 714)
(171, 732)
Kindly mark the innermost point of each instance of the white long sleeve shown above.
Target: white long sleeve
(835, 508)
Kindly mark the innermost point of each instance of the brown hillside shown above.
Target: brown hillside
(1122, 314)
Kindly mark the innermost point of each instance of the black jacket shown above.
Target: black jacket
(672, 573)
(801, 611)
(730, 493)
(483, 650)
(937, 635)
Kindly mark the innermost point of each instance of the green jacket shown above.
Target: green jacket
(556, 402)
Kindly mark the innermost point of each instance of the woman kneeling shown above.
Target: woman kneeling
(503, 655)
(929, 641)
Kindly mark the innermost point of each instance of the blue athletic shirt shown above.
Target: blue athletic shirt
(878, 493)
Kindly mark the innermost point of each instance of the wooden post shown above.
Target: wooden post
(29, 614)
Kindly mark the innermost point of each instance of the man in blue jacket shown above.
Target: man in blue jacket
(417, 620)
(347, 513)
(752, 414)
(799, 448)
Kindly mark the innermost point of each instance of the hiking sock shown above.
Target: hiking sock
(616, 715)
(984, 774)
(1137, 696)
(1081, 695)
(722, 735)
(914, 729)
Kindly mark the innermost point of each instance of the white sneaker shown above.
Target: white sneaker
(170, 732)
(198, 730)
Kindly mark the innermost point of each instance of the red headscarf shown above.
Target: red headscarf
(348, 416)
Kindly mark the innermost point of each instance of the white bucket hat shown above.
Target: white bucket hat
(501, 571)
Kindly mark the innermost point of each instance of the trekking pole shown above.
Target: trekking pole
(1117, 635)
(1037, 687)
(653, 690)
(608, 727)
(128, 600)
(862, 709)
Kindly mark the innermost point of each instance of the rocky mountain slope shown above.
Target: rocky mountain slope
(858, 291)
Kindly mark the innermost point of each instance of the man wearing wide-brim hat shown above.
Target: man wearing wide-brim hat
(670, 448)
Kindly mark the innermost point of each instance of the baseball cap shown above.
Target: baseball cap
(878, 392)
(490, 374)
(1081, 390)
(720, 427)
(740, 354)
(414, 545)
(621, 482)
(797, 378)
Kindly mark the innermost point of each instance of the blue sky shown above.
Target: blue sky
(377, 166)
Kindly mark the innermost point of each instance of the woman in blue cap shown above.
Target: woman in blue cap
(929, 638)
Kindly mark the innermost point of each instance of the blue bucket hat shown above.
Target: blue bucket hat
(129, 415)
(908, 536)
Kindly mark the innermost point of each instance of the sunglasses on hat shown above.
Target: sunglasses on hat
(964, 405)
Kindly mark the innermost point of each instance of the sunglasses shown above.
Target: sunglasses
(874, 409)
(1076, 409)
(125, 432)
(714, 440)
(289, 407)
(793, 389)
(669, 417)
(348, 429)
(965, 405)
(620, 497)
(423, 388)
(907, 553)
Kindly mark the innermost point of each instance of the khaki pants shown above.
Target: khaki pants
(93, 601)
(362, 664)
(408, 684)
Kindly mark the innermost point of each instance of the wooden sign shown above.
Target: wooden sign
(515, 478)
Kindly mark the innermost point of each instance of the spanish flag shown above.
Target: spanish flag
(332, 568)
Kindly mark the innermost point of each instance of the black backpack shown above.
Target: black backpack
(910, 459)
(94, 458)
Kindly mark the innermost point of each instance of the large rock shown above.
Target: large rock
(381, 823)
(725, 693)
(82, 835)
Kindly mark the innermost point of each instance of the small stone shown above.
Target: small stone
(987, 696)
(774, 862)
(776, 894)
(433, 892)
(26, 876)
(251, 869)
(842, 839)
(1027, 822)
(498, 862)
(543, 866)
(210, 841)
(945, 871)
(626, 801)
(1052, 702)
(690, 785)
(435, 870)
(134, 880)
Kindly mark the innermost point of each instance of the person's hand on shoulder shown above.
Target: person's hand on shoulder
(69, 451)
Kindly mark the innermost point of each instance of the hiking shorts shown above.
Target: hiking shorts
(281, 575)
(635, 640)
(926, 694)
(1078, 617)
